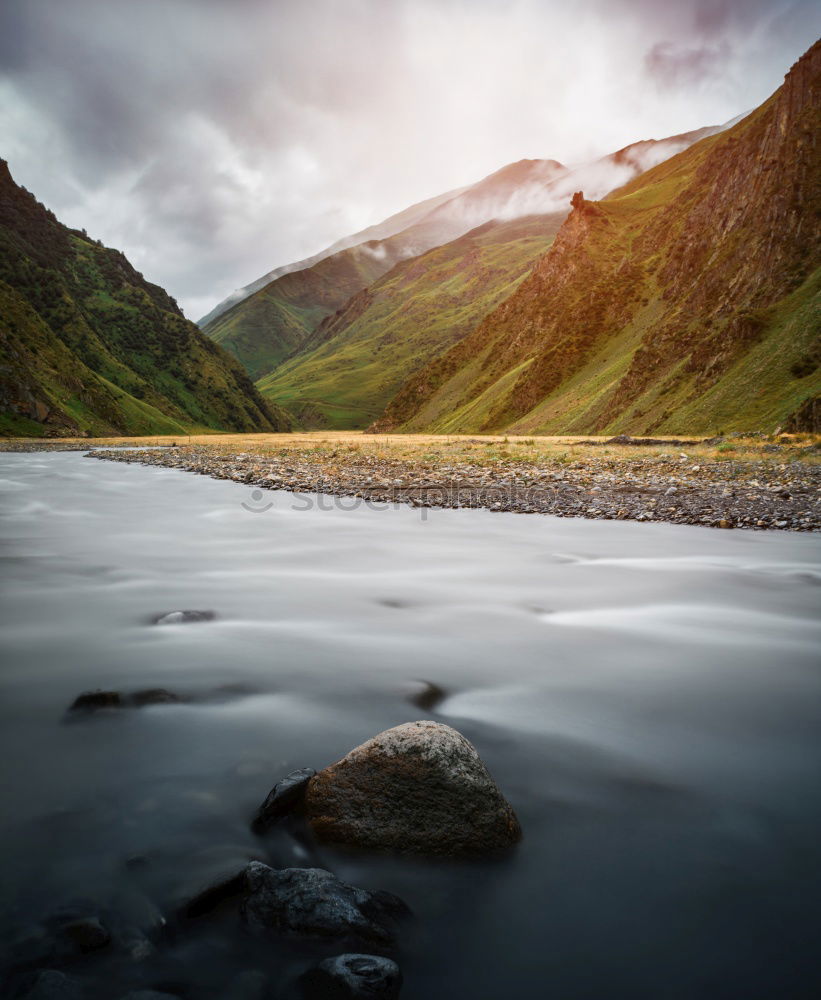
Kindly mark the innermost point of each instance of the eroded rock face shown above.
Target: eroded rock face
(417, 788)
(312, 902)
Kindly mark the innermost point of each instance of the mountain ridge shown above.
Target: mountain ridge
(87, 345)
(259, 324)
(357, 358)
(390, 226)
(655, 304)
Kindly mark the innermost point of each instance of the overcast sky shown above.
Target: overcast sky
(213, 140)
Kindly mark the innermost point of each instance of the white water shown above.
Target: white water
(648, 696)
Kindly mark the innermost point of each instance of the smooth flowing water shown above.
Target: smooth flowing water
(647, 696)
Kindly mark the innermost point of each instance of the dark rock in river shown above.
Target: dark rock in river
(150, 995)
(426, 695)
(215, 894)
(48, 984)
(312, 902)
(91, 701)
(77, 928)
(183, 617)
(282, 799)
(86, 934)
(353, 977)
(248, 985)
(153, 696)
(418, 788)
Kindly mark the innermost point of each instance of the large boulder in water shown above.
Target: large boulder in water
(417, 788)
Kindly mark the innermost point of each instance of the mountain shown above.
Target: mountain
(381, 231)
(688, 300)
(274, 322)
(352, 365)
(273, 317)
(87, 345)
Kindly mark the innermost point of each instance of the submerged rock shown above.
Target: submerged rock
(353, 977)
(417, 788)
(93, 701)
(86, 934)
(312, 902)
(49, 984)
(252, 984)
(426, 695)
(183, 617)
(150, 995)
(221, 889)
(282, 799)
(154, 696)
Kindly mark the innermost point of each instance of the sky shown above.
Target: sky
(213, 140)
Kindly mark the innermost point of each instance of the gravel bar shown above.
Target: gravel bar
(675, 488)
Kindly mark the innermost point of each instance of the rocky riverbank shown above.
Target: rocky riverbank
(420, 787)
(677, 485)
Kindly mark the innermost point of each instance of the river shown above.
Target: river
(647, 696)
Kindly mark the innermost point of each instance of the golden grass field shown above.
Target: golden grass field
(475, 449)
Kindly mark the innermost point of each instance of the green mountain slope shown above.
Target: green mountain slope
(356, 360)
(373, 234)
(274, 322)
(274, 318)
(88, 346)
(686, 301)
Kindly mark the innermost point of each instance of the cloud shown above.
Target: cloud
(213, 140)
(675, 66)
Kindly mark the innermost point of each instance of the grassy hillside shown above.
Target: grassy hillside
(373, 235)
(357, 359)
(686, 301)
(272, 321)
(270, 325)
(274, 318)
(87, 345)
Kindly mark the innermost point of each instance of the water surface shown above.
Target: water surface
(648, 697)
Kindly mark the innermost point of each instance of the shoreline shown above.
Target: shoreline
(673, 488)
